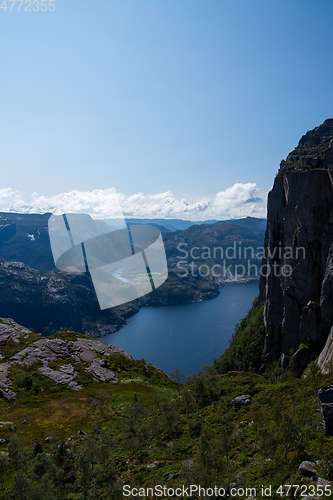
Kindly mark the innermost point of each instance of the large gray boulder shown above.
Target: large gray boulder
(243, 400)
(307, 469)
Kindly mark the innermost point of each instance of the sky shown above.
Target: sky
(186, 107)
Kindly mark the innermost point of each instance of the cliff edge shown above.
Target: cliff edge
(296, 285)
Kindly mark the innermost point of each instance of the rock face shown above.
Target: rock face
(325, 359)
(50, 301)
(307, 469)
(243, 400)
(67, 355)
(325, 401)
(298, 299)
(45, 303)
(26, 235)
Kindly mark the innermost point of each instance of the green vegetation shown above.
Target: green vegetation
(246, 345)
(150, 429)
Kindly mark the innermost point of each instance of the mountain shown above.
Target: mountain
(225, 248)
(299, 302)
(25, 238)
(296, 283)
(38, 296)
(49, 301)
(167, 224)
(81, 419)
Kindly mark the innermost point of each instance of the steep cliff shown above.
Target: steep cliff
(53, 300)
(297, 282)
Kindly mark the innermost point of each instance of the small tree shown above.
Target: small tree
(226, 436)
(178, 378)
(313, 372)
(288, 432)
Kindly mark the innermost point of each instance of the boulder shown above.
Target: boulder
(171, 476)
(101, 374)
(104, 363)
(323, 482)
(306, 469)
(7, 393)
(325, 401)
(243, 400)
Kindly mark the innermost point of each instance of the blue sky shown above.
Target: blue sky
(172, 102)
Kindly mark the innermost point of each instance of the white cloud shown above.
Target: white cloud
(239, 200)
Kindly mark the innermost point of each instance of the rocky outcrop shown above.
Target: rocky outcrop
(43, 302)
(53, 300)
(314, 150)
(307, 469)
(101, 373)
(297, 282)
(59, 358)
(325, 359)
(64, 376)
(325, 401)
(25, 238)
(243, 400)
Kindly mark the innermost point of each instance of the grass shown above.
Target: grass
(148, 420)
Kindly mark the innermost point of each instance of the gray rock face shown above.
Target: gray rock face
(307, 469)
(323, 482)
(45, 350)
(7, 393)
(101, 374)
(4, 367)
(87, 350)
(63, 376)
(56, 300)
(326, 355)
(37, 301)
(243, 400)
(325, 401)
(65, 352)
(299, 300)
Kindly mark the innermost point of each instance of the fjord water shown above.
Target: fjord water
(186, 337)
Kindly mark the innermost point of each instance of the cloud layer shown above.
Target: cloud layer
(239, 200)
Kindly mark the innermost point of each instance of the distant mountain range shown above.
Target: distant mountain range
(165, 225)
(38, 296)
(24, 237)
(220, 247)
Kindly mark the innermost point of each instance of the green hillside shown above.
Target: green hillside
(149, 429)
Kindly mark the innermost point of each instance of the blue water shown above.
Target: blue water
(186, 337)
